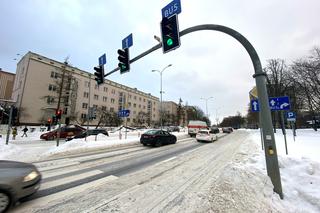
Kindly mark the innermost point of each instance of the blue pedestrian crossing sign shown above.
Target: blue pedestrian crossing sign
(127, 42)
(102, 59)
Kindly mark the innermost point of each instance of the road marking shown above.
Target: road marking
(168, 159)
(43, 201)
(65, 164)
(69, 179)
(48, 174)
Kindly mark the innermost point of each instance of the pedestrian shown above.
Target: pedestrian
(14, 133)
(25, 130)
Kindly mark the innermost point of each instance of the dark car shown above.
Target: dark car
(227, 129)
(88, 133)
(214, 130)
(157, 138)
(17, 180)
(65, 132)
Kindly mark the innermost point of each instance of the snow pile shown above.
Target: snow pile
(300, 175)
(83, 145)
(8, 152)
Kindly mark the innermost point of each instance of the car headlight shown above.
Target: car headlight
(31, 176)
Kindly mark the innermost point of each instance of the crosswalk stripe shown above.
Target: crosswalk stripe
(43, 201)
(62, 171)
(69, 179)
(65, 164)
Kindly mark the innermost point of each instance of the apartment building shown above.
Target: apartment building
(6, 84)
(170, 107)
(38, 85)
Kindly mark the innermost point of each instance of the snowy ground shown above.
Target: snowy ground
(243, 186)
(31, 148)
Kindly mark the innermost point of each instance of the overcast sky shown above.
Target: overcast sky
(207, 64)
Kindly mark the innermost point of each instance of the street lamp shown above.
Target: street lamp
(161, 90)
(206, 99)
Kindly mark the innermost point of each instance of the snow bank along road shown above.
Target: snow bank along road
(133, 178)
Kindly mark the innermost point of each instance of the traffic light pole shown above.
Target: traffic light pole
(260, 78)
(9, 125)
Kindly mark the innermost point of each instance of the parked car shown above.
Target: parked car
(157, 138)
(67, 131)
(88, 133)
(17, 180)
(206, 135)
(215, 130)
(171, 128)
(227, 129)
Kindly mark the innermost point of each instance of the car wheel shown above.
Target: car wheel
(158, 143)
(5, 201)
(144, 144)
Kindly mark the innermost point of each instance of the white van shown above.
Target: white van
(195, 126)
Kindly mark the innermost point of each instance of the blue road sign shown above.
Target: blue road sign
(291, 116)
(124, 113)
(275, 104)
(172, 8)
(255, 105)
(102, 59)
(279, 103)
(127, 42)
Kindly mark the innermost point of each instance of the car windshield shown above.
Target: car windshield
(151, 132)
(203, 132)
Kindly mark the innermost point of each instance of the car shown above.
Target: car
(65, 132)
(215, 130)
(206, 135)
(17, 180)
(157, 137)
(227, 129)
(88, 133)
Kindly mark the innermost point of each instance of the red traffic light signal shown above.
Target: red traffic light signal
(58, 113)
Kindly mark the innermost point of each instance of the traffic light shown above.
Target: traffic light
(58, 114)
(49, 120)
(170, 33)
(123, 58)
(99, 74)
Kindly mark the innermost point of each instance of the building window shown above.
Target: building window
(111, 109)
(134, 105)
(113, 91)
(95, 106)
(105, 89)
(86, 83)
(96, 97)
(144, 100)
(139, 105)
(104, 108)
(144, 107)
(129, 96)
(139, 98)
(54, 75)
(84, 106)
(128, 119)
(50, 100)
(52, 87)
(112, 100)
(104, 99)
(135, 97)
(86, 95)
(83, 115)
(129, 104)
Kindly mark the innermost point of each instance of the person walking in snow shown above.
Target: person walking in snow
(25, 130)
(14, 133)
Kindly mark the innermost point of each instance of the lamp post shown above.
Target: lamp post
(161, 90)
(206, 99)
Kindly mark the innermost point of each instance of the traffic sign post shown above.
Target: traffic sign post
(102, 59)
(291, 118)
(124, 113)
(127, 42)
(275, 104)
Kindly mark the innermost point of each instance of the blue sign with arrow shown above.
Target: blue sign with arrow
(102, 59)
(275, 104)
(171, 9)
(124, 113)
(127, 42)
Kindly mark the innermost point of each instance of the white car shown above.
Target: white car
(206, 135)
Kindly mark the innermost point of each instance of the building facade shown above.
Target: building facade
(6, 84)
(42, 84)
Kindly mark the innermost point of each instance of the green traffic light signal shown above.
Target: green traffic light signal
(169, 42)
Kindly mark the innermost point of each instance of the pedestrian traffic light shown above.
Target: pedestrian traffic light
(49, 120)
(58, 113)
(170, 33)
(123, 58)
(99, 74)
